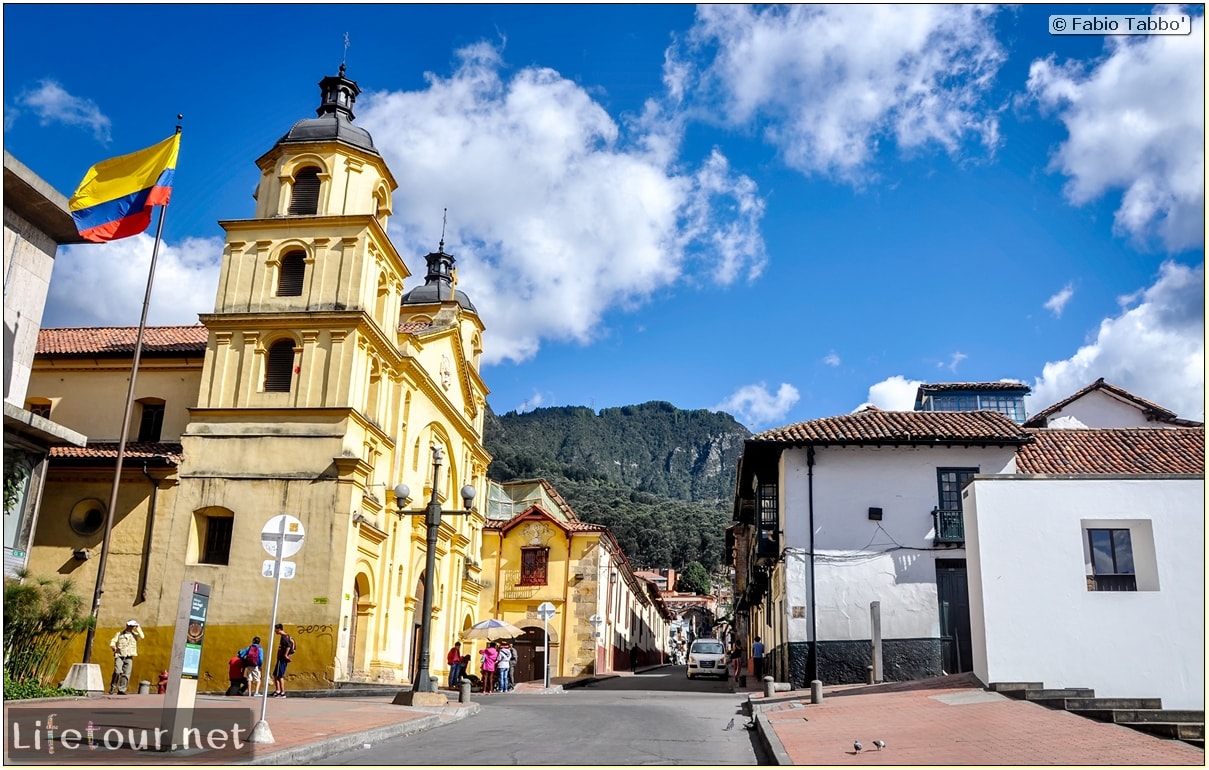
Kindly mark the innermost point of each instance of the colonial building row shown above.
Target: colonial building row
(316, 386)
(962, 537)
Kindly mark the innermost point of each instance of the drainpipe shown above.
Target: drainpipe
(150, 531)
(814, 623)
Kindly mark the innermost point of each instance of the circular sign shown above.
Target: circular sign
(545, 610)
(283, 529)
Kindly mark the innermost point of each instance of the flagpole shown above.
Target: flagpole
(117, 471)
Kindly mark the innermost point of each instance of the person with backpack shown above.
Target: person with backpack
(252, 656)
(285, 653)
(503, 667)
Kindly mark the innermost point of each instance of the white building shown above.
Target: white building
(868, 509)
(1087, 567)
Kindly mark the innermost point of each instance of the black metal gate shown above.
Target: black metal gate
(952, 593)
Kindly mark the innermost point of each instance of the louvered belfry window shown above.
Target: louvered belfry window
(280, 369)
(305, 198)
(293, 270)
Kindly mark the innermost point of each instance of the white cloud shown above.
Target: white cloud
(1136, 123)
(831, 359)
(1155, 348)
(755, 406)
(1057, 303)
(53, 104)
(531, 403)
(834, 80)
(956, 359)
(895, 394)
(556, 215)
(105, 284)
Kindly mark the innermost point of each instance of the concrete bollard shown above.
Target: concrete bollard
(770, 686)
(816, 691)
(464, 691)
(144, 687)
(868, 674)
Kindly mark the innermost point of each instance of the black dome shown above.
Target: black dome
(335, 121)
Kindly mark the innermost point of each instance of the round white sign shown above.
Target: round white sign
(290, 535)
(545, 610)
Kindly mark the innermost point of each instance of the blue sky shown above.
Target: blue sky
(780, 212)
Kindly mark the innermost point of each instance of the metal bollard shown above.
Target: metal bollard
(464, 691)
(144, 687)
(770, 686)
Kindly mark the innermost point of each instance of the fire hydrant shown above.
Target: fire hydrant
(162, 687)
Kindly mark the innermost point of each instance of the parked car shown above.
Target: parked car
(707, 657)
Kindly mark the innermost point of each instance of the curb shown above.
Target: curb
(317, 751)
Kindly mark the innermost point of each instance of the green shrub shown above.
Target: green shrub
(41, 618)
(26, 690)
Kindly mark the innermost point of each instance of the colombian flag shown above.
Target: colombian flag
(115, 199)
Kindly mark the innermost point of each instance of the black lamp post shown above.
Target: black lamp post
(432, 516)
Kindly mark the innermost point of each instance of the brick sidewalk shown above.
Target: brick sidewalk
(955, 724)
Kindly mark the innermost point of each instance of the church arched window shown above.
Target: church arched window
(292, 271)
(279, 369)
(305, 196)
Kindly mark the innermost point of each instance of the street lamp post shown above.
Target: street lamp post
(422, 689)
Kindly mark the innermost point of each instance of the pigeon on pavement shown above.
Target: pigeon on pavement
(730, 724)
(880, 744)
(857, 745)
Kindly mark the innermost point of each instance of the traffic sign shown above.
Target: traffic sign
(545, 610)
(291, 539)
(287, 569)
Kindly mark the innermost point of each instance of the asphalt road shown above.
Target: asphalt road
(655, 718)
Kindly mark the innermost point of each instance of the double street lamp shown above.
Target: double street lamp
(432, 516)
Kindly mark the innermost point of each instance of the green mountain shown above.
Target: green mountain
(661, 478)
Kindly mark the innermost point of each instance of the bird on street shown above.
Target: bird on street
(880, 744)
(730, 724)
(857, 745)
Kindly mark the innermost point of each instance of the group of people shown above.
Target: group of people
(738, 661)
(497, 663)
(244, 670)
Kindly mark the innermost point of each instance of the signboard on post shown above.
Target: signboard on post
(545, 611)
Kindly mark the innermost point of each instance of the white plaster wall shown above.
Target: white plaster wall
(1099, 410)
(1033, 618)
(857, 562)
(28, 263)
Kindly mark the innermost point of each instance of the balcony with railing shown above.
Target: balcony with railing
(949, 527)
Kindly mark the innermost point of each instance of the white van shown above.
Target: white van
(707, 657)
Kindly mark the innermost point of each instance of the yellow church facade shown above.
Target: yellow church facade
(316, 385)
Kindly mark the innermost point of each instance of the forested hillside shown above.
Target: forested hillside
(661, 478)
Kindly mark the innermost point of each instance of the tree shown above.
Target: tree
(694, 579)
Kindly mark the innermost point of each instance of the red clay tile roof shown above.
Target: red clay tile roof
(414, 326)
(878, 427)
(1113, 451)
(1152, 410)
(154, 452)
(119, 341)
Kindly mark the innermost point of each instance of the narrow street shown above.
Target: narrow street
(654, 718)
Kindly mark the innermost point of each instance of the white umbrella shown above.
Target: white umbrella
(491, 630)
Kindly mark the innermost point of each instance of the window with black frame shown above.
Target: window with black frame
(533, 566)
(1111, 560)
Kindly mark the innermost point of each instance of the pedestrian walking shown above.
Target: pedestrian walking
(757, 657)
(252, 657)
(634, 658)
(454, 659)
(125, 646)
(286, 647)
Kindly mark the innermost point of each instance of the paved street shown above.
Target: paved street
(653, 718)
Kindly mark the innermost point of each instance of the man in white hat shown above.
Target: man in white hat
(125, 646)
